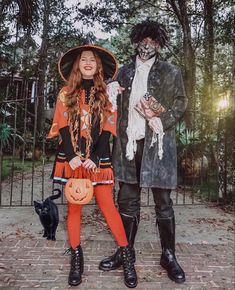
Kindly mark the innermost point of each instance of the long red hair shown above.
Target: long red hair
(101, 103)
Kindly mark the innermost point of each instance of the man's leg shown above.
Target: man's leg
(129, 209)
(129, 200)
(104, 198)
(165, 219)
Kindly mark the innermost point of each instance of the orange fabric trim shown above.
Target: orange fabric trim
(60, 118)
(67, 170)
(63, 169)
(110, 123)
(59, 169)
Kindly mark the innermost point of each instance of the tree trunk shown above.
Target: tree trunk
(233, 79)
(42, 66)
(207, 96)
(226, 146)
(180, 9)
(1, 170)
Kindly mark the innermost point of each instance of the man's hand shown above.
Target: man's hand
(75, 162)
(89, 164)
(149, 107)
(155, 124)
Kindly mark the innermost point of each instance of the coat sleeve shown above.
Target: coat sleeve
(60, 119)
(118, 76)
(111, 116)
(173, 114)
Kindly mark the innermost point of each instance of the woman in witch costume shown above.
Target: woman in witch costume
(85, 118)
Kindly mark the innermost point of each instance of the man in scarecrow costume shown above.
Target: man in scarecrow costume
(145, 148)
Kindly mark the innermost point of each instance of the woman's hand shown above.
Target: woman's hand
(75, 162)
(89, 164)
(120, 89)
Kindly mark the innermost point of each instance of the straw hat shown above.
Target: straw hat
(108, 60)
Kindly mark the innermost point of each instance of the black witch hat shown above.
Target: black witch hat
(109, 62)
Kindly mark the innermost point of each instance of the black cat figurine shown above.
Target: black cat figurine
(49, 215)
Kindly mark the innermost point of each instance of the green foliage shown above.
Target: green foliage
(111, 14)
(120, 45)
(25, 11)
(224, 21)
(197, 137)
(208, 191)
(7, 135)
(17, 165)
(186, 136)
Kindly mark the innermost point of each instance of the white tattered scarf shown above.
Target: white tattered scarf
(154, 123)
(112, 91)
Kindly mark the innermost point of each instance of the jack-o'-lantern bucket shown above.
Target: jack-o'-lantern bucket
(79, 191)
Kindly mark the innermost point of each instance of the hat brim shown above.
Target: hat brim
(109, 62)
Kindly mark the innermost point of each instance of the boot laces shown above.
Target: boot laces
(128, 263)
(75, 259)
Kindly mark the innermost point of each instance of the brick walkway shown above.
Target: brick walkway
(28, 261)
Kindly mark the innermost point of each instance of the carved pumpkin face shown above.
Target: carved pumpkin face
(78, 191)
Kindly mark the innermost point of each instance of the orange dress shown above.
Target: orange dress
(98, 149)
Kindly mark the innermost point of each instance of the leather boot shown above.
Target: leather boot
(130, 277)
(168, 260)
(77, 266)
(112, 262)
(131, 225)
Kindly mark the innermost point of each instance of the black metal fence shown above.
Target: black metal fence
(26, 158)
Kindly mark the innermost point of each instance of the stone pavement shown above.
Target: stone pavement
(205, 248)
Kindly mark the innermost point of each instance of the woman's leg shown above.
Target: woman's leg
(74, 224)
(104, 198)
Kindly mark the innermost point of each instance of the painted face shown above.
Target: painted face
(87, 64)
(147, 48)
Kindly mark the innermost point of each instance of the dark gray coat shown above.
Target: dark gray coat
(166, 85)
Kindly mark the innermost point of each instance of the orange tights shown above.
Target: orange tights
(104, 199)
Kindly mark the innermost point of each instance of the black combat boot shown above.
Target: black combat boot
(77, 266)
(131, 225)
(130, 277)
(168, 260)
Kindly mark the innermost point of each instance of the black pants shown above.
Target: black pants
(129, 194)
